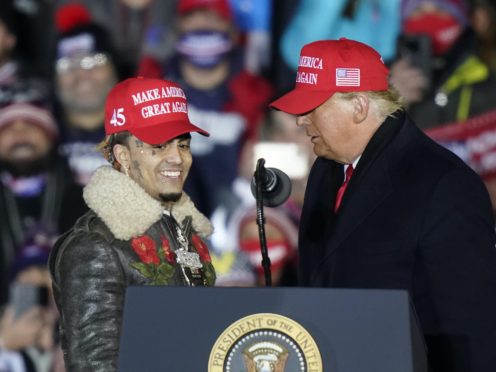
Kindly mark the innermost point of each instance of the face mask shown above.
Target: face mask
(443, 31)
(204, 49)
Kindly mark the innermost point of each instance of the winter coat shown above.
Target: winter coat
(413, 217)
(125, 239)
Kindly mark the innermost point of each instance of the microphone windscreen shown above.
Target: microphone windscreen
(279, 193)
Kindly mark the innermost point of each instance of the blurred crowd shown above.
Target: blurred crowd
(59, 59)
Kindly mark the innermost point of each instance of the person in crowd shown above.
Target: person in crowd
(136, 28)
(224, 97)
(142, 229)
(86, 68)
(35, 33)
(386, 207)
(9, 66)
(442, 77)
(28, 325)
(376, 23)
(253, 18)
(438, 72)
(283, 146)
(233, 269)
(483, 21)
(36, 187)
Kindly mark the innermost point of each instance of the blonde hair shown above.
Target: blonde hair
(384, 102)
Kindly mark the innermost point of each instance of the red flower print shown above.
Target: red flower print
(201, 248)
(145, 248)
(168, 254)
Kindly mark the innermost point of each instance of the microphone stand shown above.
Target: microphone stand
(261, 222)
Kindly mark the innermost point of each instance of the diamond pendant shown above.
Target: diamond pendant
(188, 259)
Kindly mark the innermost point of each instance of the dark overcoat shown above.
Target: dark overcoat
(414, 217)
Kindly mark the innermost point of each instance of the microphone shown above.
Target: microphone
(276, 185)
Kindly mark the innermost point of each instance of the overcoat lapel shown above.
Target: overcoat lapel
(360, 202)
(368, 188)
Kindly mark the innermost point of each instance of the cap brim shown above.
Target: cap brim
(298, 102)
(160, 133)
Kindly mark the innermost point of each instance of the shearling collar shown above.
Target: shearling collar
(128, 210)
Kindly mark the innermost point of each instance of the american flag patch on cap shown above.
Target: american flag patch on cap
(347, 77)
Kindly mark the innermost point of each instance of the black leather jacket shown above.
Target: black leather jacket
(107, 251)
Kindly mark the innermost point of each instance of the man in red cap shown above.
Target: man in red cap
(386, 207)
(141, 228)
(86, 67)
(224, 98)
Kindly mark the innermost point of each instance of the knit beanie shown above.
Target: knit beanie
(27, 100)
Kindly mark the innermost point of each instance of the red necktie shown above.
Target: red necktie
(339, 195)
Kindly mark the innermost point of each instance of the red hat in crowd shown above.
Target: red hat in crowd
(457, 8)
(222, 7)
(71, 15)
(153, 110)
(329, 66)
(79, 35)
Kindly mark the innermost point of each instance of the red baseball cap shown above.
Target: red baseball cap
(329, 66)
(222, 7)
(154, 110)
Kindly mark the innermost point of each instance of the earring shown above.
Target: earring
(126, 171)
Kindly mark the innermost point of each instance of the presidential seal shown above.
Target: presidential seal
(265, 343)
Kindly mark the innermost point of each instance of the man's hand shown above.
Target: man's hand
(410, 82)
(19, 333)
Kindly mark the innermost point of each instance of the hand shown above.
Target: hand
(46, 336)
(18, 333)
(410, 81)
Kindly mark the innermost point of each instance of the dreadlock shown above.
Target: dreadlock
(106, 147)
